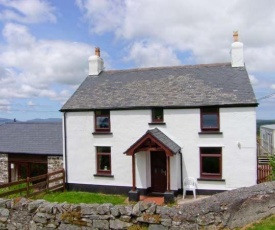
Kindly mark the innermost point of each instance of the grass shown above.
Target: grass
(83, 197)
(265, 224)
(13, 188)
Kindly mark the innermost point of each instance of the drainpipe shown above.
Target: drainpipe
(181, 170)
(65, 147)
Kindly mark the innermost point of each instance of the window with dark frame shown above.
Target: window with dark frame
(210, 119)
(211, 162)
(102, 121)
(157, 115)
(103, 155)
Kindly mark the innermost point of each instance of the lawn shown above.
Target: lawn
(265, 224)
(83, 197)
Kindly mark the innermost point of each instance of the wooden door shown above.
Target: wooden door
(158, 172)
(23, 171)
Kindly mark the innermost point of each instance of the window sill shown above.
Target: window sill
(157, 123)
(103, 175)
(210, 132)
(102, 133)
(211, 179)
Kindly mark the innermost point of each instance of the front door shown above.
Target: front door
(158, 172)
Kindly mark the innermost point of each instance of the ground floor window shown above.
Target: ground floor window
(211, 162)
(103, 155)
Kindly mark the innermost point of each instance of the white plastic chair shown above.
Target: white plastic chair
(189, 184)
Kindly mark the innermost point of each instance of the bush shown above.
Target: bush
(272, 164)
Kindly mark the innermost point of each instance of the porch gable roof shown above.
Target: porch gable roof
(168, 145)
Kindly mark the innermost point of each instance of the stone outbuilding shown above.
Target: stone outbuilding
(29, 149)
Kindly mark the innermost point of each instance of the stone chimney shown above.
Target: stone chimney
(237, 59)
(96, 64)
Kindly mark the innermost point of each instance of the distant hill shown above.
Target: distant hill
(4, 120)
(46, 120)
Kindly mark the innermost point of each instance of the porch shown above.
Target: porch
(158, 149)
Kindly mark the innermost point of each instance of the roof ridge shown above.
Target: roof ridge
(168, 67)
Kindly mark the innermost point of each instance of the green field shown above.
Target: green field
(84, 197)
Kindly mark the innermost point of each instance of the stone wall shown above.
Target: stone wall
(4, 174)
(229, 210)
(55, 163)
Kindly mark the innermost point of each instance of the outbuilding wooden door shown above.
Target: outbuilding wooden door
(158, 172)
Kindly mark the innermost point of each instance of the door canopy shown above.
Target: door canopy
(154, 140)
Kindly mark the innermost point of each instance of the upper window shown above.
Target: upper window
(103, 155)
(157, 115)
(210, 119)
(102, 120)
(211, 162)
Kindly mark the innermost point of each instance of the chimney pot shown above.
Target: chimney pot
(97, 51)
(235, 36)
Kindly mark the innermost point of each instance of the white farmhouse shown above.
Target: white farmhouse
(140, 131)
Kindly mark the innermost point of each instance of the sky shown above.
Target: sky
(45, 45)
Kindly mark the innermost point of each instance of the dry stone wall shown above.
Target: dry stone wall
(55, 163)
(3, 168)
(228, 210)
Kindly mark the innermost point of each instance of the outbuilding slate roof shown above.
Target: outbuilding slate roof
(180, 86)
(41, 138)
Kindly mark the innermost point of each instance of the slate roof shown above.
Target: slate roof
(169, 143)
(41, 138)
(180, 86)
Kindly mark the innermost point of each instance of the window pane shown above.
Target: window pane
(157, 114)
(210, 120)
(211, 150)
(104, 163)
(210, 165)
(104, 149)
(102, 112)
(102, 122)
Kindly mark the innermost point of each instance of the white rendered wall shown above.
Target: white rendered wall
(238, 143)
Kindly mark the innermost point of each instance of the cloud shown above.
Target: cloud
(273, 86)
(30, 11)
(31, 104)
(18, 36)
(30, 67)
(146, 54)
(202, 29)
(112, 11)
(253, 80)
(4, 105)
